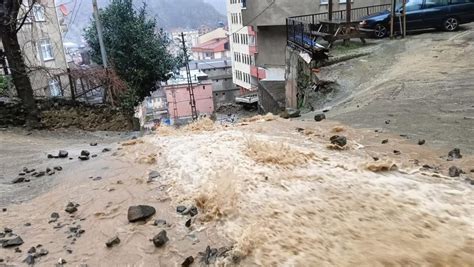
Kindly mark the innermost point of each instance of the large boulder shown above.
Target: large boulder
(140, 213)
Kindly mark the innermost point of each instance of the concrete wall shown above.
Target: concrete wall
(276, 13)
(271, 46)
(271, 96)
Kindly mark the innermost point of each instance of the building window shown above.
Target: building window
(54, 88)
(38, 12)
(46, 49)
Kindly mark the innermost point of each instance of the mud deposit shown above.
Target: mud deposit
(269, 192)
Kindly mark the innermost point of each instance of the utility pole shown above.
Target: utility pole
(392, 18)
(192, 100)
(98, 25)
(404, 18)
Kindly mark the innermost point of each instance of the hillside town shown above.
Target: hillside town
(236, 133)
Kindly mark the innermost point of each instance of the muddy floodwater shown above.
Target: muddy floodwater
(268, 191)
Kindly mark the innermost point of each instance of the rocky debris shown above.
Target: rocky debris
(71, 207)
(13, 241)
(54, 217)
(455, 171)
(83, 158)
(8, 230)
(19, 180)
(62, 261)
(32, 250)
(27, 224)
(180, 209)
(4, 209)
(338, 140)
(41, 253)
(21, 174)
(192, 210)
(387, 122)
(210, 255)
(94, 156)
(85, 153)
(160, 223)
(18, 250)
(290, 113)
(188, 223)
(454, 154)
(93, 144)
(113, 241)
(30, 260)
(76, 230)
(396, 152)
(58, 168)
(152, 176)
(105, 150)
(384, 141)
(470, 181)
(319, 117)
(160, 239)
(63, 154)
(39, 174)
(188, 261)
(50, 156)
(140, 213)
(421, 142)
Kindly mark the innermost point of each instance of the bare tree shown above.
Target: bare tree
(10, 23)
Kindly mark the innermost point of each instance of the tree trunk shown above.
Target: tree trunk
(19, 74)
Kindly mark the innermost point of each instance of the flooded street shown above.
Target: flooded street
(268, 192)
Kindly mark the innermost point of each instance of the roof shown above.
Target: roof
(216, 45)
(210, 64)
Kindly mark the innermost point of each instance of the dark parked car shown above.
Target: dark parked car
(423, 14)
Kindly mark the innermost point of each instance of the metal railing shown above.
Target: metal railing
(299, 28)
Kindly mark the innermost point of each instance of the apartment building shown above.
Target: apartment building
(242, 46)
(41, 42)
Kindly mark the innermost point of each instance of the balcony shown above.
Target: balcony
(300, 29)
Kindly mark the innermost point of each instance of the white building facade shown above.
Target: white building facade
(242, 47)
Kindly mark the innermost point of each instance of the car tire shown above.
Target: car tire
(380, 31)
(450, 24)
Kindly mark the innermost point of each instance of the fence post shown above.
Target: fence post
(72, 85)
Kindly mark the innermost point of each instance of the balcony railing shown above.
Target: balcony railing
(299, 28)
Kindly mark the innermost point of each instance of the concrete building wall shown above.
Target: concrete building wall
(271, 46)
(178, 96)
(42, 46)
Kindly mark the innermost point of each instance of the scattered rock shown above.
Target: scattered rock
(105, 150)
(98, 178)
(7, 230)
(421, 142)
(39, 174)
(153, 175)
(193, 211)
(113, 241)
(160, 239)
(338, 140)
(188, 261)
(4, 209)
(188, 223)
(385, 141)
(140, 213)
(55, 215)
(180, 209)
(319, 117)
(376, 158)
(63, 154)
(85, 153)
(21, 174)
(41, 253)
(30, 260)
(27, 224)
(32, 250)
(94, 156)
(455, 154)
(93, 144)
(387, 122)
(396, 152)
(71, 207)
(16, 241)
(58, 168)
(83, 158)
(290, 113)
(18, 250)
(160, 223)
(455, 171)
(18, 180)
(62, 261)
(50, 156)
